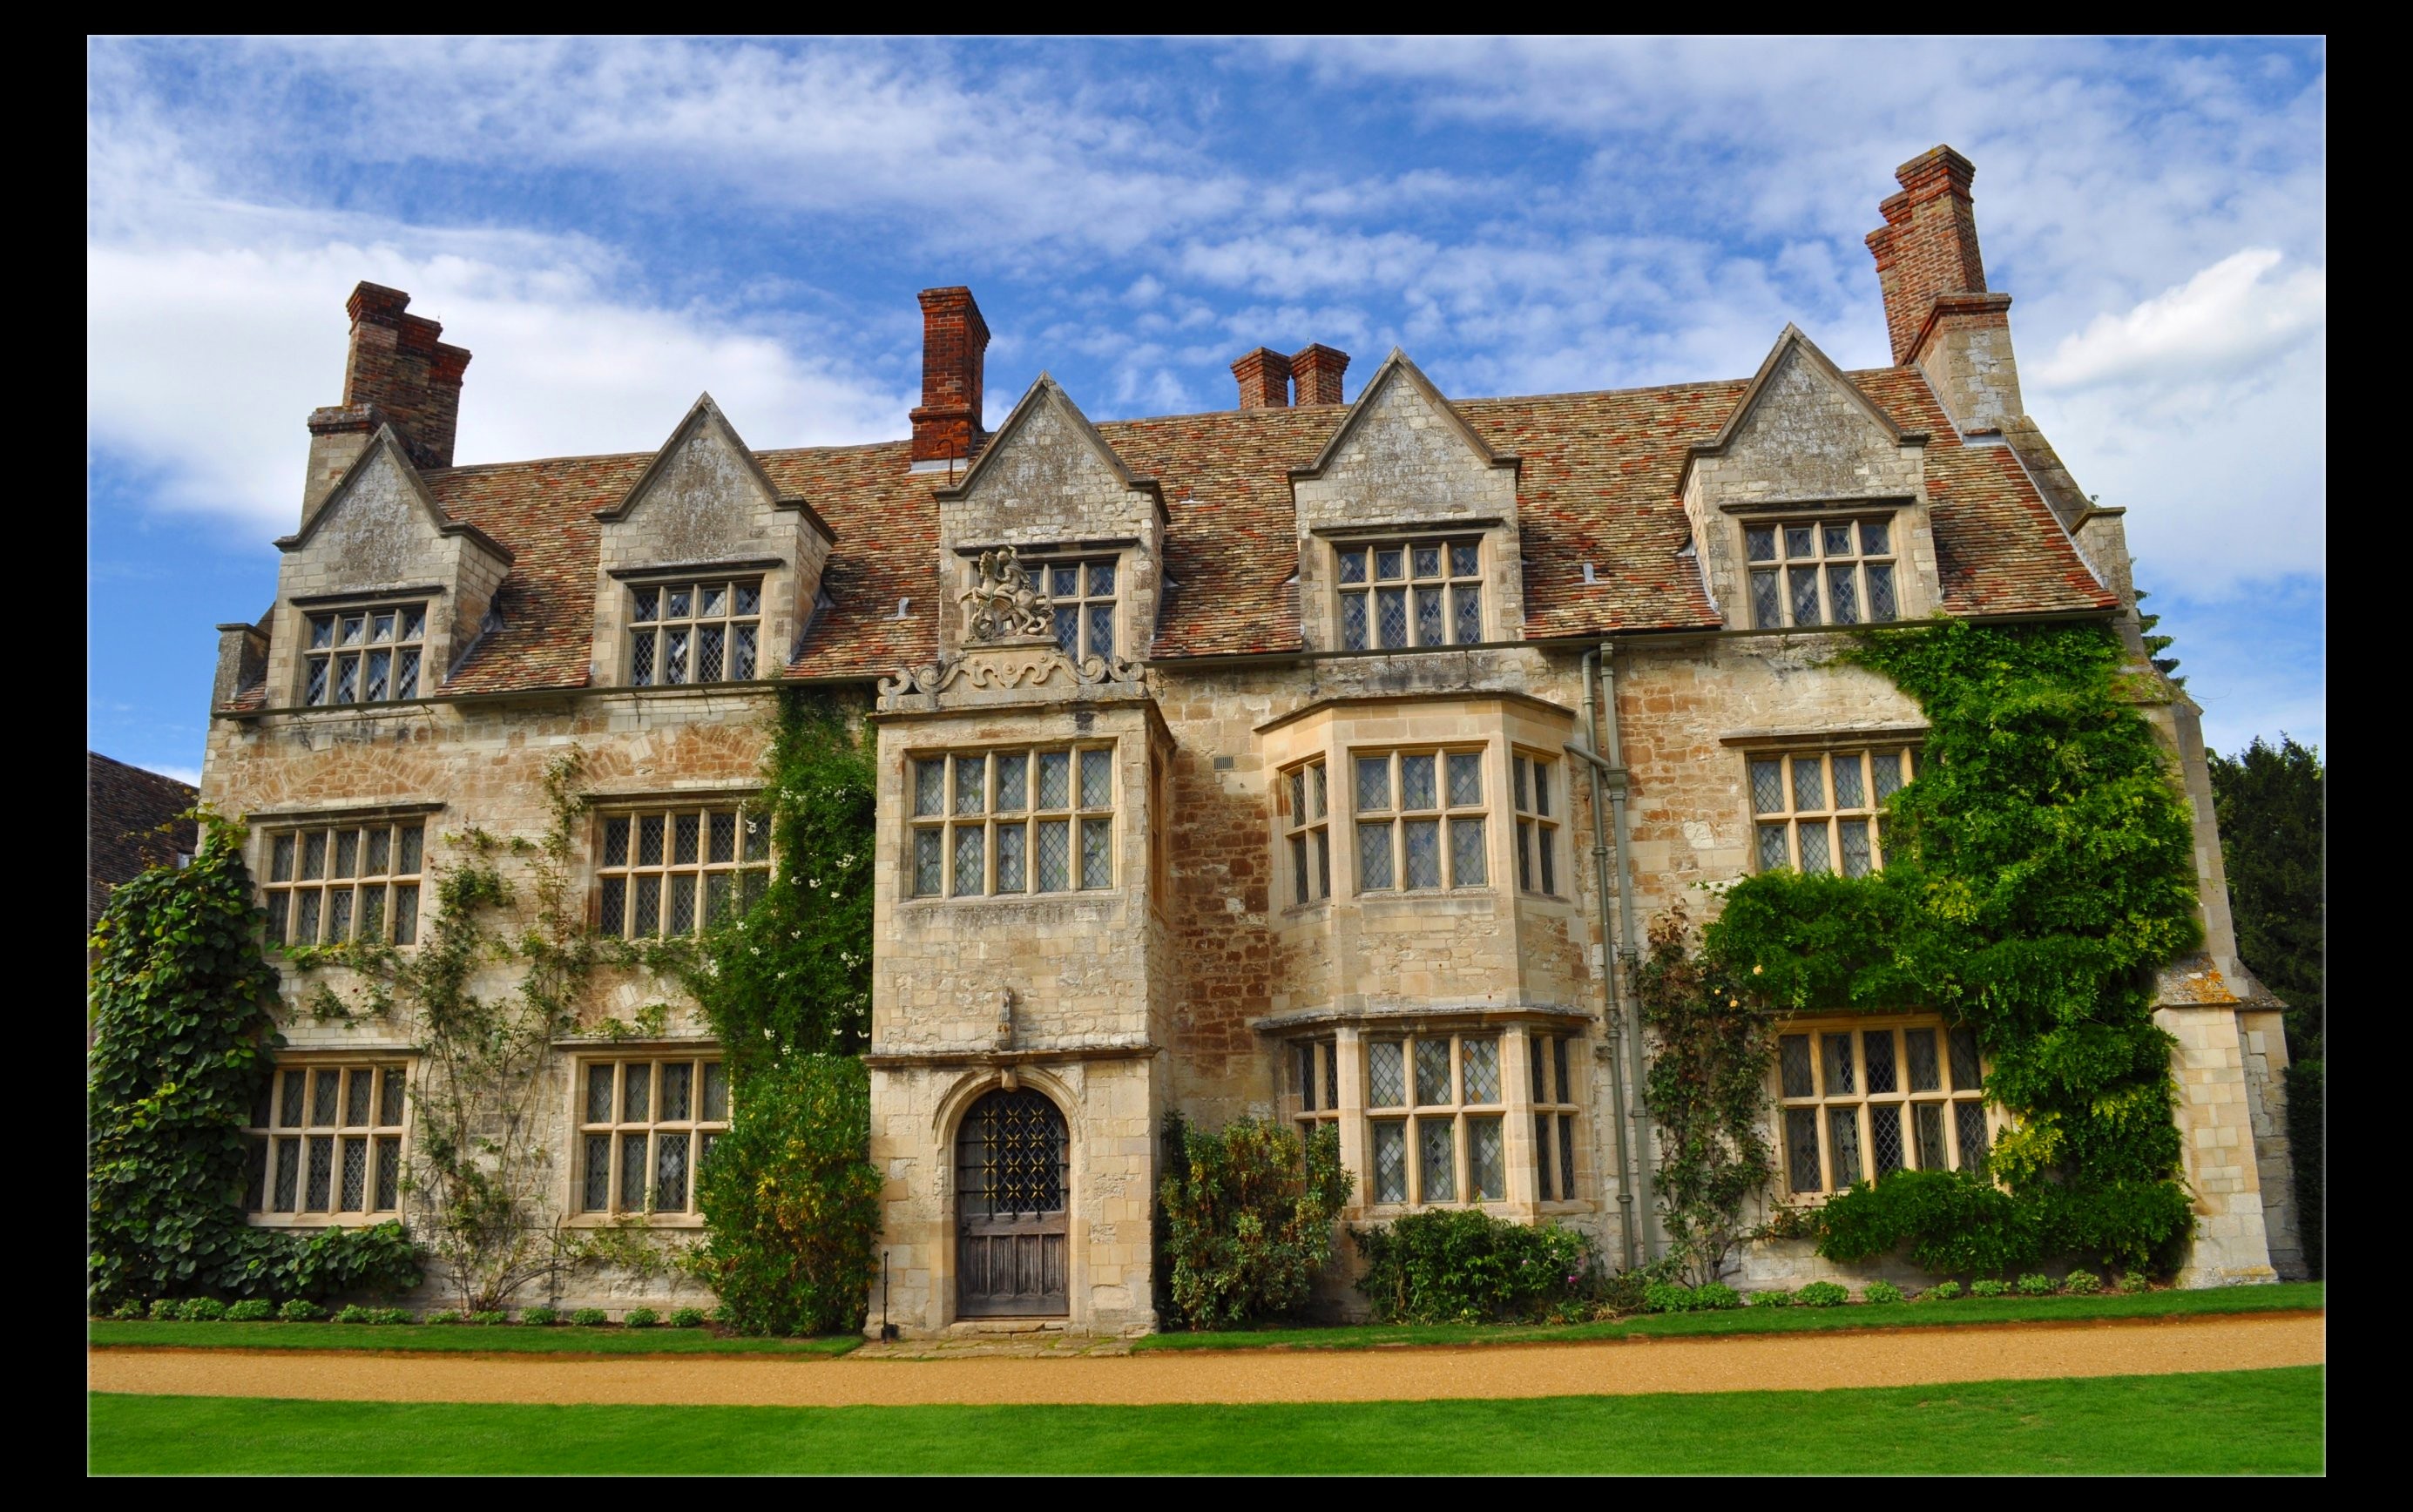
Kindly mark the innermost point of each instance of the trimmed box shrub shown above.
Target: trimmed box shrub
(354, 1312)
(2135, 1281)
(166, 1310)
(1988, 1286)
(201, 1310)
(1882, 1293)
(687, 1317)
(540, 1317)
(1943, 1291)
(1464, 1265)
(640, 1317)
(1715, 1297)
(2082, 1283)
(1771, 1300)
(2037, 1284)
(493, 1318)
(589, 1317)
(1821, 1293)
(301, 1311)
(251, 1310)
(127, 1311)
(438, 1319)
(1668, 1297)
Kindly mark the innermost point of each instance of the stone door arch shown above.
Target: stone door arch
(1012, 1201)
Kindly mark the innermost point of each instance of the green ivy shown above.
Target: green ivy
(2038, 869)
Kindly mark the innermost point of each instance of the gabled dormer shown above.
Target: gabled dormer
(706, 573)
(380, 592)
(1407, 526)
(1808, 508)
(1091, 533)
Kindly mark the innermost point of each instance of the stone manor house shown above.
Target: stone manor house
(1318, 757)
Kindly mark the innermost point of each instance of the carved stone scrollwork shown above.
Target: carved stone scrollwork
(1008, 602)
(1000, 668)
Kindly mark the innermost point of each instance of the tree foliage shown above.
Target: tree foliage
(1247, 1214)
(2273, 810)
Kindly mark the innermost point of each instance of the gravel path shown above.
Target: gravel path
(1616, 1367)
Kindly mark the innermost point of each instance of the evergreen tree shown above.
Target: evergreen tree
(2272, 810)
(2156, 645)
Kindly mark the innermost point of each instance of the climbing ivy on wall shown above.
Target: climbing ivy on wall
(2038, 869)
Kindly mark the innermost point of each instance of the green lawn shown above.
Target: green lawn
(2268, 1422)
(451, 1339)
(2287, 1296)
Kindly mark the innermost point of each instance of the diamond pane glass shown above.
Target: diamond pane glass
(1918, 1054)
(641, 659)
(971, 784)
(1487, 1160)
(1772, 851)
(339, 916)
(1054, 856)
(1097, 779)
(1391, 1162)
(1466, 780)
(1517, 780)
(717, 891)
(710, 642)
(1299, 892)
(599, 1092)
(749, 598)
(1427, 560)
(1885, 1137)
(1843, 591)
(1857, 859)
(1873, 540)
(322, 631)
(1352, 622)
(1102, 579)
(1759, 543)
(306, 919)
(280, 866)
(1321, 841)
(348, 851)
(1466, 603)
(1838, 539)
(314, 855)
(1525, 854)
(1331, 1076)
(380, 663)
(754, 837)
(1391, 616)
(1928, 1120)
(1054, 779)
(1297, 791)
(1437, 1163)
(1766, 600)
(1836, 1049)
(1809, 784)
(687, 833)
(406, 916)
(1542, 785)
(1013, 854)
(1389, 562)
(1416, 782)
(721, 845)
(1876, 1058)
(1429, 616)
(1566, 1157)
(354, 1191)
(676, 602)
(715, 1092)
(1479, 1064)
(405, 674)
(289, 1173)
(1064, 581)
(407, 839)
(1013, 783)
(1423, 837)
(613, 905)
(670, 1171)
(1067, 626)
(1768, 785)
(322, 1165)
(1848, 791)
(1303, 1065)
(1969, 1122)
(1373, 783)
(1803, 590)
(1353, 566)
(929, 788)
(1465, 558)
(741, 652)
(1813, 836)
(389, 1174)
(649, 840)
(360, 1092)
(1559, 1059)
(1888, 768)
(1793, 1065)
(715, 598)
(326, 1087)
(678, 1085)
(278, 903)
(1433, 1073)
(1387, 1074)
(636, 1091)
(1963, 1043)
(632, 1171)
(1882, 605)
(1102, 630)
(290, 1114)
(353, 624)
(1317, 793)
(1468, 864)
(971, 871)
(380, 852)
(1542, 1156)
(1801, 540)
(649, 604)
(1097, 853)
(674, 661)
(649, 921)
(1843, 1138)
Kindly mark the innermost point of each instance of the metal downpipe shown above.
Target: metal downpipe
(1612, 1012)
(1627, 949)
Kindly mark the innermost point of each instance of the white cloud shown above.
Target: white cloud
(2220, 324)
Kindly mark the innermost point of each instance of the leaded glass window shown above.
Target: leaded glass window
(1824, 810)
(1397, 594)
(679, 871)
(335, 884)
(1863, 1099)
(1084, 591)
(1005, 822)
(1822, 572)
(370, 655)
(645, 1126)
(1539, 805)
(1451, 1088)
(324, 1142)
(1315, 1084)
(1307, 832)
(1551, 1062)
(1421, 820)
(694, 632)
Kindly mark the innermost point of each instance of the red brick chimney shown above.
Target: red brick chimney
(955, 351)
(1317, 370)
(1928, 246)
(397, 367)
(1264, 379)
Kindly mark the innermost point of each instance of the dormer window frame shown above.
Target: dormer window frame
(360, 650)
(1785, 551)
(735, 579)
(1329, 586)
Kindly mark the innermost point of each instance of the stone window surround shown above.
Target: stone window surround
(265, 824)
(1539, 813)
(1349, 1031)
(1817, 1026)
(641, 1052)
(433, 644)
(1447, 813)
(950, 818)
(397, 1062)
(1828, 818)
(1359, 585)
(1303, 799)
(1852, 516)
(635, 808)
(1917, 592)
(765, 573)
(1319, 595)
(1127, 553)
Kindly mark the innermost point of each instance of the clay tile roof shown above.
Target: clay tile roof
(1597, 485)
(123, 809)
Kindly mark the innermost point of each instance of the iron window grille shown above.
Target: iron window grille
(1822, 572)
(1862, 1098)
(645, 1126)
(1538, 810)
(1307, 831)
(1552, 1060)
(1420, 821)
(334, 884)
(1396, 594)
(364, 656)
(325, 1142)
(694, 632)
(1010, 822)
(1436, 1120)
(1824, 810)
(679, 871)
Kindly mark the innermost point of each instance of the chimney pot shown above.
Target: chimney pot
(1317, 368)
(397, 372)
(1928, 246)
(1264, 379)
(955, 353)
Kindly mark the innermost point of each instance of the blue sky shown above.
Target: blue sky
(615, 226)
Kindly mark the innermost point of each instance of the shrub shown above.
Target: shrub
(1989, 1288)
(201, 1310)
(491, 1318)
(127, 1311)
(791, 1200)
(165, 1310)
(720, 1315)
(1247, 1213)
(2037, 1284)
(1624, 1292)
(354, 1312)
(1882, 1293)
(391, 1315)
(2134, 1282)
(1821, 1293)
(2081, 1282)
(687, 1317)
(589, 1317)
(1715, 1297)
(438, 1319)
(1669, 1297)
(641, 1317)
(1465, 1266)
(251, 1310)
(540, 1317)
(300, 1311)
(1771, 1300)
(1943, 1291)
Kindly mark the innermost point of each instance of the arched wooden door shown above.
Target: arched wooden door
(1010, 1209)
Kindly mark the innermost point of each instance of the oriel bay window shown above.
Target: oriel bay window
(1821, 572)
(1550, 1059)
(1818, 810)
(1436, 1108)
(1315, 1082)
(677, 871)
(1420, 821)
(325, 1141)
(645, 1124)
(1008, 823)
(1860, 1099)
(1404, 593)
(694, 632)
(369, 655)
(1537, 823)
(1307, 832)
(336, 883)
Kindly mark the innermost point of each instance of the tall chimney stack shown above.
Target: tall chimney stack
(1264, 379)
(395, 372)
(1938, 311)
(1317, 368)
(954, 352)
